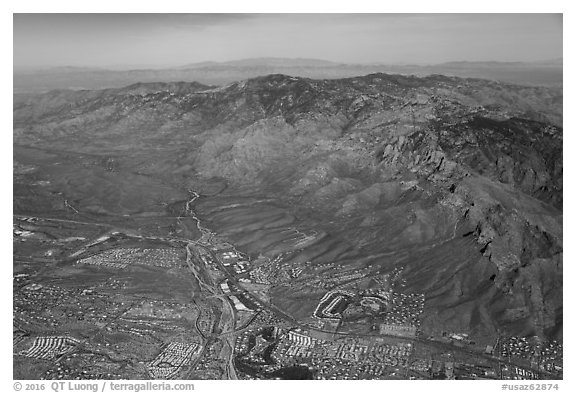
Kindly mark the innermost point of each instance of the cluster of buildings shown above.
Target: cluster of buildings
(374, 303)
(242, 343)
(51, 306)
(449, 369)
(120, 258)
(302, 339)
(135, 328)
(399, 312)
(158, 309)
(330, 359)
(272, 271)
(234, 261)
(238, 305)
(541, 356)
(50, 347)
(210, 364)
(392, 355)
(517, 373)
(551, 357)
(395, 274)
(398, 330)
(250, 338)
(112, 284)
(173, 357)
(295, 272)
(205, 257)
(364, 352)
(360, 357)
(298, 345)
(68, 373)
(161, 257)
(76, 365)
(517, 347)
(373, 371)
(34, 303)
(267, 318)
(340, 278)
(404, 310)
(97, 261)
(267, 272)
(336, 369)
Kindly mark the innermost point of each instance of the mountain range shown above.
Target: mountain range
(457, 181)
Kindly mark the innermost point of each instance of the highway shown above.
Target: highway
(228, 318)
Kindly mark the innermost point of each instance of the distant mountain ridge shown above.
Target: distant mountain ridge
(266, 61)
(220, 73)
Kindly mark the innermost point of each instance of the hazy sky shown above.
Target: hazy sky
(157, 40)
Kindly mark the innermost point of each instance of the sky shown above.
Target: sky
(168, 40)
